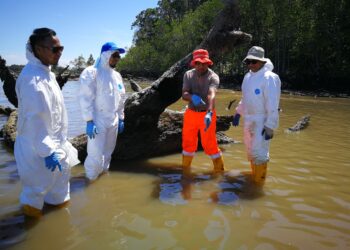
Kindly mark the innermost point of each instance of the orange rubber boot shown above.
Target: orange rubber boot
(186, 164)
(218, 164)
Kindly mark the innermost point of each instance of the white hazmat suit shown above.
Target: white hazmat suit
(41, 130)
(102, 96)
(261, 92)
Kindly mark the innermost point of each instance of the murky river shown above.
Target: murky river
(305, 203)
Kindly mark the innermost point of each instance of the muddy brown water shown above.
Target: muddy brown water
(305, 203)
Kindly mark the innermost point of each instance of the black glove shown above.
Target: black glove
(268, 133)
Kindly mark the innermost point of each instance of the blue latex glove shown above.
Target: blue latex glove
(207, 120)
(120, 126)
(196, 100)
(52, 161)
(235, 121)
(91, 129)
(268, 133)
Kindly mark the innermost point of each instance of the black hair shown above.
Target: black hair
(39, 35)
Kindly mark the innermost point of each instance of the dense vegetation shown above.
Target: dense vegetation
(307, 40)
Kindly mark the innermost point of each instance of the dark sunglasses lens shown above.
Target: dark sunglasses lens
(116, 55)
(250, 62)
(57, 49)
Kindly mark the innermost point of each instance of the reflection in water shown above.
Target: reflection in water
(177, 189)
(172, 189)
(78, 183)
(14, 228)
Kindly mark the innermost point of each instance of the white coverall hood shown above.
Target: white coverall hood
(103, 60)
(33, 59)
(268, 65)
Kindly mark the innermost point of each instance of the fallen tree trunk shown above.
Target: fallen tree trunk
(149, 131)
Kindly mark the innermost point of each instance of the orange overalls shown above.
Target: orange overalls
(194, 122)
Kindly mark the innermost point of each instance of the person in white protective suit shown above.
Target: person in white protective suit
(261, 90)
(43, 154)
(102, 96)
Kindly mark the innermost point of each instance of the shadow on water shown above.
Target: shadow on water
(78, 183)
(14, 228)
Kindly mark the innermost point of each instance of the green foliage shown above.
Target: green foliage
(146, 22)
(78, 65)
(307, 40)
(165, 35)
(90, 61)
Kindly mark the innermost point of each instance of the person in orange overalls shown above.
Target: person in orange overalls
(199, 89)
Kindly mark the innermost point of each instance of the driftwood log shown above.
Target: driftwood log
(134, 86)
(9, 130)
(150, 129)
(301, 124)
(62, 78)
(9, 80)
(6, 110)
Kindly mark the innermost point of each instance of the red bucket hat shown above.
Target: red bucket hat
(202, 56)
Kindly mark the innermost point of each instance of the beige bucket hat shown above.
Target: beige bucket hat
(256, 53)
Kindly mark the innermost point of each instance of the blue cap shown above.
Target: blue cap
(112, 46)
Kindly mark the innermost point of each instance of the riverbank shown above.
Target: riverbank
(6, 110)
(235, 87)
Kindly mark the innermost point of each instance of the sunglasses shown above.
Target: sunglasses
(116, 55)
(247, 62)
(54, 50)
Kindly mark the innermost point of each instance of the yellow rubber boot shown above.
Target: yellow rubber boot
(218, 164)
(186, 164)
(252, 166)
(31, 211)
(260, 174)
(61, 205)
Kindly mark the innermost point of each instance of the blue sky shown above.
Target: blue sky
(82, 25)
